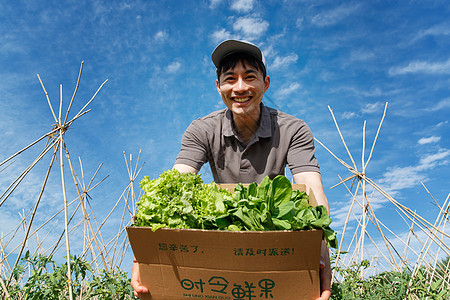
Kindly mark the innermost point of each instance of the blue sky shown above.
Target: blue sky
(353, 56)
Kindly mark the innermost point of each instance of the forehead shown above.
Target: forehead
(240, 65)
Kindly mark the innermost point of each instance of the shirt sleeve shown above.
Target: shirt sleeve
(193, 150)
(300, 156)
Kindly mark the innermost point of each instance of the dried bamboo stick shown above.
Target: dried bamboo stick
(376, 136)
(6, 266)
(407, 211)
(74, 93)
(344, 230)
(435, 263)
(48, 99)
(99, 234)
(342, 137)
(81, 110)
(5, 289)
(66, 228)
(32, 216)
(407, 247)
(19, 179)
(6, 166)
(86, 216)
(385, 239)
(60, 104)
(363, 194)
(437, 224)
(29, 146)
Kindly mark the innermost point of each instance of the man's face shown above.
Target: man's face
(242, 89)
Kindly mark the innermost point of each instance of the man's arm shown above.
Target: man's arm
(313, 181)
(185, 168)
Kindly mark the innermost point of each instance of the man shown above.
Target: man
(247, 141)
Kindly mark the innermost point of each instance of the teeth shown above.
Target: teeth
(241, 100)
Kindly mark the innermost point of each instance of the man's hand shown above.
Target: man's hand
(325, 273)
(325, 295)
(313, 181)
(135, 284)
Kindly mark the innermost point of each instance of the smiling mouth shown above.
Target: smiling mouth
(241, 100)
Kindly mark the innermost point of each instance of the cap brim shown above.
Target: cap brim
(232, 46)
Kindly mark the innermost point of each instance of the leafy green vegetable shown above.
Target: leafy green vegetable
(177, 200)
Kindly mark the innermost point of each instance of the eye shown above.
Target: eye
(229, 79)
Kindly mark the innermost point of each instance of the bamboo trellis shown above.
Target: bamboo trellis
(111, 253)
(435, 233)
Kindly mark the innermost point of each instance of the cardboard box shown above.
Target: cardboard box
(207, 264)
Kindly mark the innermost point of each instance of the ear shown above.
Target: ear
(218, 86)
(266, 83)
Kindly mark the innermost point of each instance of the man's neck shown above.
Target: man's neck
(246, 126)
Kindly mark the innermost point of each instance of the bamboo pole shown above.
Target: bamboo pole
(32, 217)
(363, 194)
(376, 136)
(48, 99)
(66, 228)
(74, 93)
(383, 236)
(342, 137)
(344, 230)
(5, 289)
(428, 244)
(19, 179)
(81, 110)
(86, 216)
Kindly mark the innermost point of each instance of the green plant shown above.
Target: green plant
(114, 285)
(47, 280)
(387, 285)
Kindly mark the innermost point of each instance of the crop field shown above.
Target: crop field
(70, 250)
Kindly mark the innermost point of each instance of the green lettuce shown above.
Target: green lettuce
(176, 200)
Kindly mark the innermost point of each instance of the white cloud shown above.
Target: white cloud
(372, 107)
(220, 35)
(407, 177)
(174, 67)
(287, 89)
(214, 3)
(429, 140)
(299, 24)
(348, 115)
(430, 161)
(334, 16)
(251, 27)
(445, 103)
(361, 55)
(242, 6)
(437, 30)
(280, 62)
(161, 36)
(422, 67)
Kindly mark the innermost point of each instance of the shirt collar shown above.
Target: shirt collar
(264, 129)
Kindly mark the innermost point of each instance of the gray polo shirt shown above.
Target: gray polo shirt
(280, 139)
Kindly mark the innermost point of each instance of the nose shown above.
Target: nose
(241, 85)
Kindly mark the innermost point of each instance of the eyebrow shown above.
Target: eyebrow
(247, 71)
